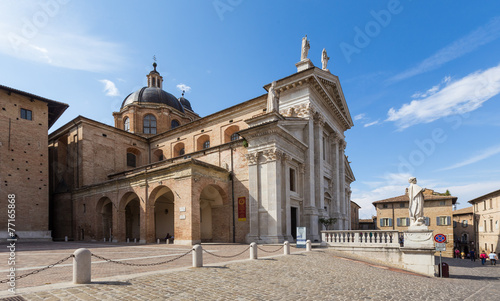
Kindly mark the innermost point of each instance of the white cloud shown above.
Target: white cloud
(458, 97)
(481, 156)
(359, 117)
(470, 191)
(110, 88)
(371, 123)
(460, 47)
(183, 87)
(30, 31)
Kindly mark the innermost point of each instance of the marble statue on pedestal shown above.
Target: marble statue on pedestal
(272, 99)
(324, 59)
(416, 208)
(305, 48)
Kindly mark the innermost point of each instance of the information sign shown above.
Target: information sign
(301, 237)
(440, 246)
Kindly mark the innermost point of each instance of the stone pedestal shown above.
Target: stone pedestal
(418, 250)
(304, 65)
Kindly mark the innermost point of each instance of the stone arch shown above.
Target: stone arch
(104, 218)
(158, 155)
(179, 149)
(230, 133)
(162, 199)
(215, 214)
(131, 207)
(202, 141)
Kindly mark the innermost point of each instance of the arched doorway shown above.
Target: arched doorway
(163, 200)
(215, 215)
(132, 216)
(104, 226)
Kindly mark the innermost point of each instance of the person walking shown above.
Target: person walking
(457, 253)
(483, 257)
(493, 258)
(472, 255)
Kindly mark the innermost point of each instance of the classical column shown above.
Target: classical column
(272, 203)
(319, 124)
(253, 196)
(345, 209)
(336, 180)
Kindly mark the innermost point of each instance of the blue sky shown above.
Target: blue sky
(421, 78)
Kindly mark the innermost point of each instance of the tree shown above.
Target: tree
(327, 222)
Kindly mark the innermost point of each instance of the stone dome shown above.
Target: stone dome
(185, 103)
(153, 95)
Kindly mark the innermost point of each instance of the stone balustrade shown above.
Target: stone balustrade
(359, 238)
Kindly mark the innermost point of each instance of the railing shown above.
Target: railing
(361, 238)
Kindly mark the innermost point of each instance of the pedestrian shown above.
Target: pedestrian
(483, 257)
(493, 258)
(457, 253)
(462, 255)
(472, 255)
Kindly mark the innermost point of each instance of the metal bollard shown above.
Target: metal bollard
(65, 238)
(135, 240)
(286, 248)
(82, 266)
(308, 246)
(128, 240)
(197, 256)
(158, 241)
(167, 241)
(253, 251)
(104, 239)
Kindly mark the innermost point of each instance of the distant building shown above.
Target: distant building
(463, 229)
(25, 119)
(487, 217)
(392, 214)
(367, 224)
(354, 216)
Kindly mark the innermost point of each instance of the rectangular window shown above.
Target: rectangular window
(26, 114)
(491, 203)
(485, 226)
(384, 206)
(401, 205)
(454, 224)
(442, 203)
(443, 220)
(386, 222)
(292, 179)
(403, 221)
(324, 148)
(484, 205)
(491, 225)
(427, 221)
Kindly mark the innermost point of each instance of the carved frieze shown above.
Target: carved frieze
(252, 158)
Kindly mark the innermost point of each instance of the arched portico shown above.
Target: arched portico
(215, 215)
(162, 199)
(129, 217)
(104, 218)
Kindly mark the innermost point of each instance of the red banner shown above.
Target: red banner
(242, 209)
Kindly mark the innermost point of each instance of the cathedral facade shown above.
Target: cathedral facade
(253, 172)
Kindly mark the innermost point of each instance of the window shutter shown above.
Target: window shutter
(427, 221)
(390, 222)
(381, 222)
(398, 220)
(437, 221)
(407, 221)
(448, 220)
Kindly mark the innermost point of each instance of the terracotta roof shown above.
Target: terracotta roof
(427, 197)
(486, 196)
(356, 204)
(463, 211)
(370, 220)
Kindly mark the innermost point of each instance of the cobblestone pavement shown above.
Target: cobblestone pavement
(318, 275)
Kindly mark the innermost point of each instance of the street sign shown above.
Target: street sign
(440, 246)
(440, 238)
(301, 237)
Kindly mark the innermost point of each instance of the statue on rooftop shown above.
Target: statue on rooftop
(272, 99)
(324, 59)
(305, 48)
(416, 208)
